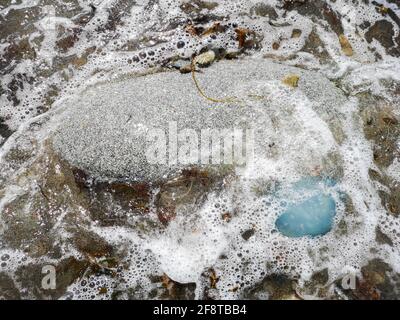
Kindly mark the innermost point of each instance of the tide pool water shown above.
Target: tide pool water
(312, 217)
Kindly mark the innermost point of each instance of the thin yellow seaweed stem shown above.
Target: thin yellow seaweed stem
(193, 65)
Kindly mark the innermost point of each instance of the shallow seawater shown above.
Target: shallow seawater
(84, 84)
(312, 216)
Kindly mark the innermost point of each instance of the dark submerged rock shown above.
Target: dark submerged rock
(273, 287)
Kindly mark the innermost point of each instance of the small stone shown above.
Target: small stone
(248, 234)
(103, 290)
(291, 80)
(383, 10)
(179, 63)
(346, 46)
(296, 33)
(205, 59)
(230, 55)
(79, 62)
(185, 69)
(227, 217)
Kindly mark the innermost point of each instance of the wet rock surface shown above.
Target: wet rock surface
(273, 287)
(7, 288)
(5, 132)
(378, 281)
(264, 10)
(383, 129)
(30, 276)
(114, 143)
(316, 47)
(383, 32)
